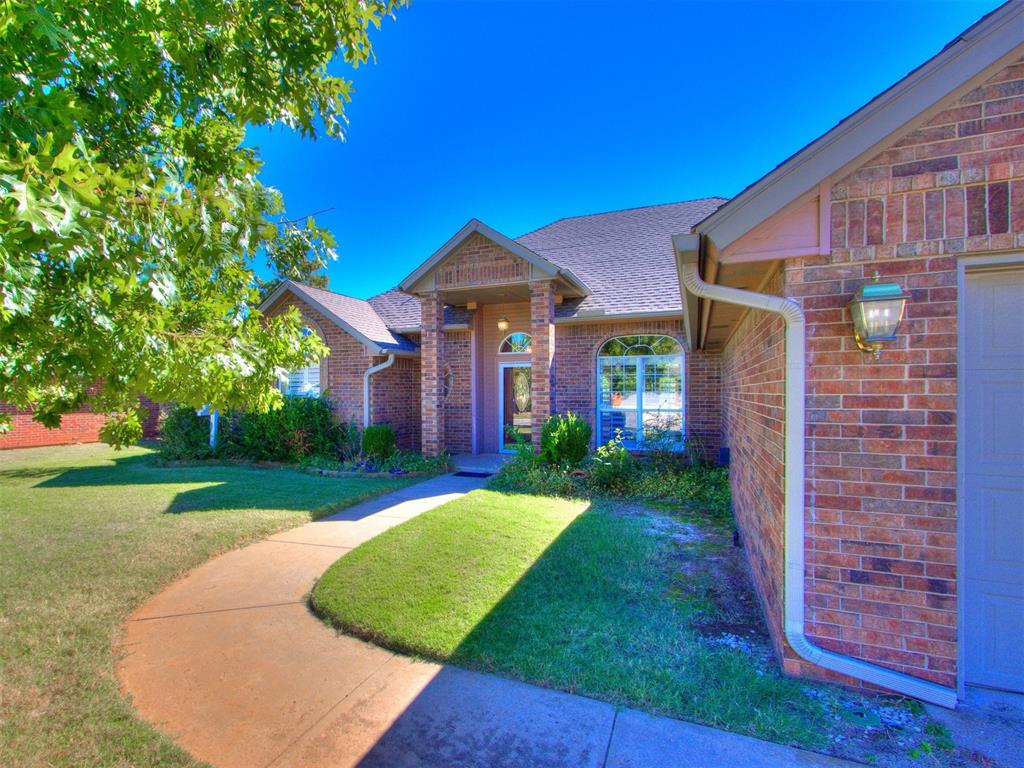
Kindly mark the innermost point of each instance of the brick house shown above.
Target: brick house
(492, 333)
(880, 499)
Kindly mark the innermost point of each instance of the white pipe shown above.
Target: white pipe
(793, 608)
(366, 386)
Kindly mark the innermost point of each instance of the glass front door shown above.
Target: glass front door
(516, 404)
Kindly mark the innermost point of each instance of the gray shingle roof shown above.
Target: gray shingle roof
(402, 310)
(624, 257)
(360, 315)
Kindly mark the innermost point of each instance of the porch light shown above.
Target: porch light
(503, 323)
(877, 309)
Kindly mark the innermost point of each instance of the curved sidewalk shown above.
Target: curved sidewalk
(231, 664)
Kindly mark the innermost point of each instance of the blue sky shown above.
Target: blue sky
(522, 113)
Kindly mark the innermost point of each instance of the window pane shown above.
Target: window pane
(663, 384)
(618, 384)
(304, 382)
(640, 345)
(516, 343)
(663, 426)
(621, 420)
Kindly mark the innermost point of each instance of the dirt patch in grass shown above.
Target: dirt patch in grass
(710, 579)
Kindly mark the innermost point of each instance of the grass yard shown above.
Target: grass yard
(86, 535)
(599, 601)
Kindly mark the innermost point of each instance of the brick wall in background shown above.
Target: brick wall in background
(458, 403)
(395, 400)
(80, 427)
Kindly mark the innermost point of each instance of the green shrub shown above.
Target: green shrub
(184, 434)
(613, 468)
(565, 440)
(378, 441)
(528, 475)
(300, 428)
(701, 486)
(415, 462)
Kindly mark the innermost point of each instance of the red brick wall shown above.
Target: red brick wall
(341, 372)
(881, 451)
(542, 354)
(753, 425)
(395, 400)
(480, 261)
(458, 405)
(80, 427)
(432, 338)
(575, 378)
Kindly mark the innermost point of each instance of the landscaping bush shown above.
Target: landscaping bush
(703, 486)
(378, 441)
(408, 461)
(300, 428)
(565, 440)
(184, 434)
(613, 468)
(528, 475)
(614, 471)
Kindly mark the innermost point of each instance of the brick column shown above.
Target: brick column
(432, 374)
(542, 328)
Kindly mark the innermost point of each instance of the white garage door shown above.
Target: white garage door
(993, 480)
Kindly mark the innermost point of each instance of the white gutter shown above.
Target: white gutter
(687, 253)
(366, 386)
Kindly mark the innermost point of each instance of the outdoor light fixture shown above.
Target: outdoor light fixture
(503, 323)
(877, 309)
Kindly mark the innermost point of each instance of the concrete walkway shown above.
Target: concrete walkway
(231, 664)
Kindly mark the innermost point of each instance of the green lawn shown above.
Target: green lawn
(610, 601)
(86, 535)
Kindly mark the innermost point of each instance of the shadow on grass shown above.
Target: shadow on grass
(213, 487)
(594, 614)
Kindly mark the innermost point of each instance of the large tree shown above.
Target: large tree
(130, 211)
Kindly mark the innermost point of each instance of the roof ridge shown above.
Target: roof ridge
(326, 290)
(623, 210)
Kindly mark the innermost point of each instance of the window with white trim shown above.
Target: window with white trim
(303, 382)
(515, 344)
(640, 391)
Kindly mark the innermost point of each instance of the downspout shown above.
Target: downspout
(687, 254)
(366, 386)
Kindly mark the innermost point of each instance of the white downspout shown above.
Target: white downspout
(366, 386)
(687, 253)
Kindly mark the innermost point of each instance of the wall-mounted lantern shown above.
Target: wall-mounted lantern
(877, 309)
(503, 324)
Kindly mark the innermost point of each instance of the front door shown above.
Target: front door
(515, 402)
(992, 356)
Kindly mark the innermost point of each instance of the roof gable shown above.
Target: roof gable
(984, 47)
(355, 316)
(533, 265)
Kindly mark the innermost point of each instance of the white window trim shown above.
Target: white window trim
(640, 361)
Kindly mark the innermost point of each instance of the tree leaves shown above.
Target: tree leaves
(131, 214)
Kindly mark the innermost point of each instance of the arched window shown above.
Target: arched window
(516, 343)
(640, 391)
(303, 382)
